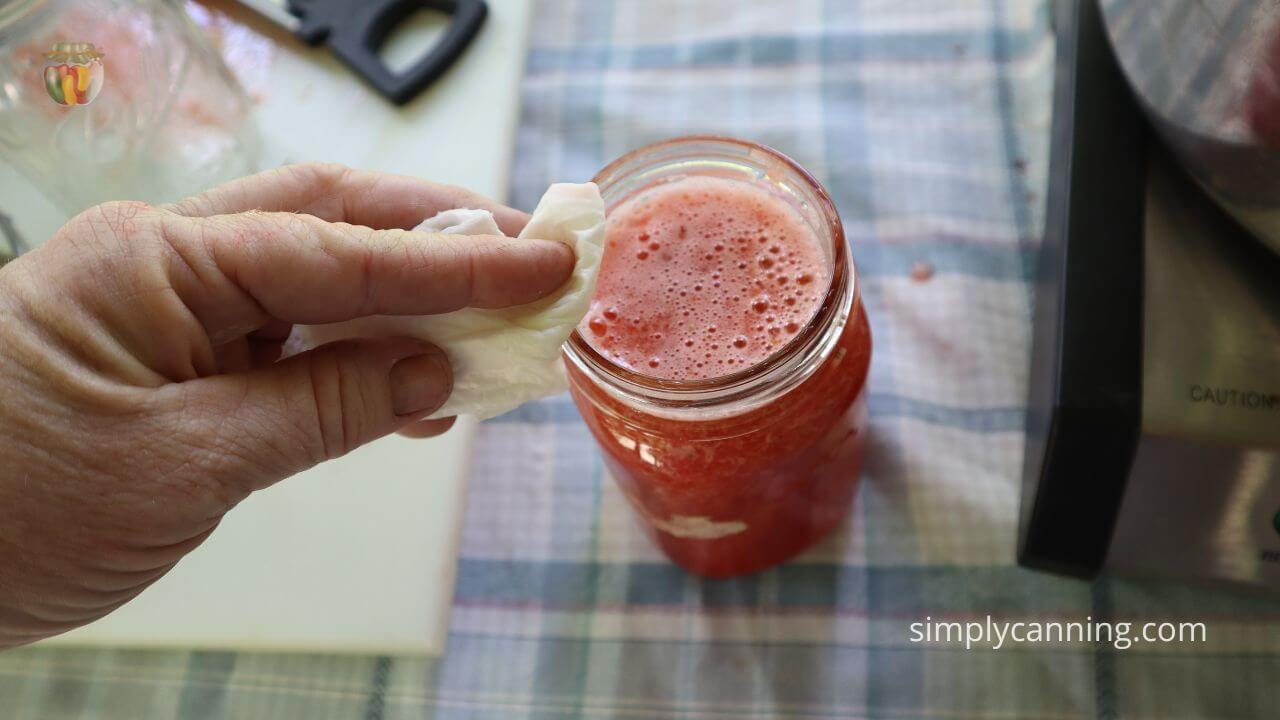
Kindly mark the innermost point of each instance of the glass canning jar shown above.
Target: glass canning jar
(735, 473)
(118, 99)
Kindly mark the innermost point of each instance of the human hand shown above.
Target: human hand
(139, 365)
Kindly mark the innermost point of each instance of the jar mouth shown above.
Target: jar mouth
(794, 360)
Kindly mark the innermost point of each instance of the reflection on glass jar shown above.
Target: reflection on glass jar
(723, 366)
(170, 122)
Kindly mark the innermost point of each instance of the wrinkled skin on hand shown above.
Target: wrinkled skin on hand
(143, 391)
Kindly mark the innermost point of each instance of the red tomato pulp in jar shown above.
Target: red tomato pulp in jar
(703, 276)
(723, 364)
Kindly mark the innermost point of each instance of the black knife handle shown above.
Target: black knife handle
(354, 31)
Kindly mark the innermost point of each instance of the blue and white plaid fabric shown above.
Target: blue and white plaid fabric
(928, 122)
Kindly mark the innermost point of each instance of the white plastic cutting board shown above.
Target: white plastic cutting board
(357, 555)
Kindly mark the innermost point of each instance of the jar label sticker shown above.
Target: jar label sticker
(73, 73)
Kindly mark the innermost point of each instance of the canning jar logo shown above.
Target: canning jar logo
(73, 73)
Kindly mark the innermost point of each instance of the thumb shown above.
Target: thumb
(321, 404)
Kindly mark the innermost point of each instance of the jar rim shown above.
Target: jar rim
(782, 369)
(14, 11)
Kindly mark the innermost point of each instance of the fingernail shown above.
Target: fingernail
(420, 384)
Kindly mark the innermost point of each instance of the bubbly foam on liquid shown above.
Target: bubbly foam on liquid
(703, 277)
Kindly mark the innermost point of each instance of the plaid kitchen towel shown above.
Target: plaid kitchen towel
(928, 122)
